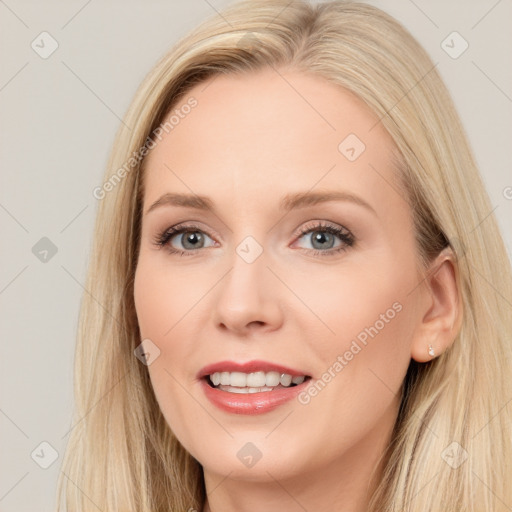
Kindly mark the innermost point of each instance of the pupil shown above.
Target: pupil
(192, 238)
(321, 237)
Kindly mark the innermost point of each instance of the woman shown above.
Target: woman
(294, 300)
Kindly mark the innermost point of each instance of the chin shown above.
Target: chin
(251, 457)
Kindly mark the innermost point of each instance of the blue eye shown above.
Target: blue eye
(192, 239)
(324, 238)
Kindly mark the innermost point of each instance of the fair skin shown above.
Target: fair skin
(251, 140)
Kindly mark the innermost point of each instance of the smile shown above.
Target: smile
(253, 387)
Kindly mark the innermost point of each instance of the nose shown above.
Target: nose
(248, 298)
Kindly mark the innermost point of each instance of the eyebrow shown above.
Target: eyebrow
(288, 202)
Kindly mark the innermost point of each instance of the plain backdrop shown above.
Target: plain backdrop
(58, 118)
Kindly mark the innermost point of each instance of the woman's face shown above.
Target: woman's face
(272, 273)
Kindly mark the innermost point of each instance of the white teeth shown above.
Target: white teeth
(272, 379)
(238, 379)
(286, 379)
(254, 381)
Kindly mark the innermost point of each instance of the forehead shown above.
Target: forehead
(271, 130)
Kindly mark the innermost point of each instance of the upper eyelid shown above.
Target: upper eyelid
(313, 224)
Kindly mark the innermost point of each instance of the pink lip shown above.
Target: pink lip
(249, 403)
(248, 367)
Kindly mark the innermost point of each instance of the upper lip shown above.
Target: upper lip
(248, 367)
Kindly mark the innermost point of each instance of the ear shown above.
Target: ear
(441, 309)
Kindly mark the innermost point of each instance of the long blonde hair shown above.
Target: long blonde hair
(451, 448)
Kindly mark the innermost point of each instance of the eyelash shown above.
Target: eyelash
(163, 238)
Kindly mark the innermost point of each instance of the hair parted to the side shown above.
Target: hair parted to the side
(121, 455)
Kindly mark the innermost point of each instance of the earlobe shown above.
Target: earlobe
(441, 315)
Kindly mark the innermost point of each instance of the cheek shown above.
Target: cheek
(371, 316)
(162, 296)
(163, 302)
(361, 303)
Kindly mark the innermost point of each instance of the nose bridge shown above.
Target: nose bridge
(247, 294)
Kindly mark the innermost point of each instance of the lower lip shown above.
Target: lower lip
(251, 403)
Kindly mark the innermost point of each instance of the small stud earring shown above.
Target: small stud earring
(431, 351)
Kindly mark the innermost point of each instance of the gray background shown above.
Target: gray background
(58, 118)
